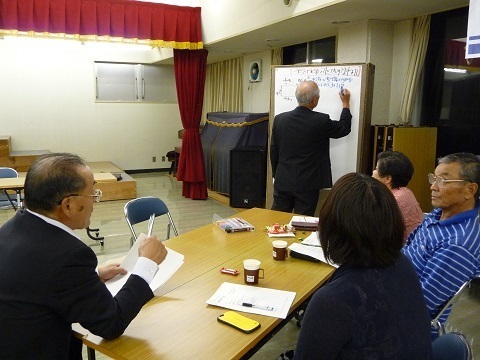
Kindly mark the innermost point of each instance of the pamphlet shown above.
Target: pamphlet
(230, 225)
(307, 223)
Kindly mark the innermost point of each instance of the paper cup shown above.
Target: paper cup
(280, 251)
(251, 272)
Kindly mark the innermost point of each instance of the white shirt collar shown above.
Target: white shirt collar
(54, 223)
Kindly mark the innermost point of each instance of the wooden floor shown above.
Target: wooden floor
(190, 214)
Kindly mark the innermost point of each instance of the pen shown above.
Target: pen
(341, 91)
(313, 245)
(269, 308)
(150, 225)
(240, 221)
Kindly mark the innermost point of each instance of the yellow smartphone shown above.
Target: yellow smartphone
(238, 321)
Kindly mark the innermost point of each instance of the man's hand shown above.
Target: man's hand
(109, 271)
(345, 97)
(152, 249)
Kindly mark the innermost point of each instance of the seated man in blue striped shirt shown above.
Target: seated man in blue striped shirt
(445, 247)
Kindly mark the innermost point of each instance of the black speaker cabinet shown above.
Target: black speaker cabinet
(248, 171)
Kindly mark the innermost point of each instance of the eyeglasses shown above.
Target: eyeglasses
(97, 195)
(440, 181)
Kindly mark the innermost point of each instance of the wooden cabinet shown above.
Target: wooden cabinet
(5, 145)
(419, 145)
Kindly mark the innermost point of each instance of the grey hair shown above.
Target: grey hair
(469, 166)
(52, 177)
(306, 91)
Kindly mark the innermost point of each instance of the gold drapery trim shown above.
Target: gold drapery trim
(245, 123)
(111, 39)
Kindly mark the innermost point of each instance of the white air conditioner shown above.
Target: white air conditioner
(255, 71)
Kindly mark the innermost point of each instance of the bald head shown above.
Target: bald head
(307, 94)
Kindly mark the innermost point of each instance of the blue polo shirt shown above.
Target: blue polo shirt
(445, 254)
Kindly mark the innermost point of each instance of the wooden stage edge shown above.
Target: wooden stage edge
(112, 189)
(223, 199)
(123, 189)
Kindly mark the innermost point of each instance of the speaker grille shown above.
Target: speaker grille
(247, 177)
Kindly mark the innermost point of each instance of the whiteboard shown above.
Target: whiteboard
(330, 79)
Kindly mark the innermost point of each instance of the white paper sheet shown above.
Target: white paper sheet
(312, 240)
(232, 296)
(281, 235)
(166, 269)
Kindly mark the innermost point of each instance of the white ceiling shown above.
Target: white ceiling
(318, 24)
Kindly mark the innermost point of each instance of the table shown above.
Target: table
(180, 325)
(11, 183)
(15, 184)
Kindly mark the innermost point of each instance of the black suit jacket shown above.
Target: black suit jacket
(300, 148)
(47, 282)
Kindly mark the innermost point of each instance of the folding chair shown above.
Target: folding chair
(140, 209)
(5, 199)
(451, 346)
(436, 320)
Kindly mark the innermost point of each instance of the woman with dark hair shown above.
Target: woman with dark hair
(372, 307)
(395, 170)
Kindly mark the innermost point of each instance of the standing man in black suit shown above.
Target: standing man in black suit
(47, 274)
(300, 150)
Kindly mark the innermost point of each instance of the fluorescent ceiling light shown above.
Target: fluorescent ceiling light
(316, 61)
(453, 70)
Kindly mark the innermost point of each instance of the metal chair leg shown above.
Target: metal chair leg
(90, 353)
(10, 199)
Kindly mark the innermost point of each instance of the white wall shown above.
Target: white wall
(352, 43)
(256, 95)
(223, 19)
(402, 41)
(371, 41)
(381, 54)
(48, 103)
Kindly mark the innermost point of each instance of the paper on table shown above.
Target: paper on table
(312, 240)
(232, 296)
(313, 251)
(166, 269)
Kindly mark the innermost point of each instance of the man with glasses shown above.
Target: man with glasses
(445, 247)
(47, 274)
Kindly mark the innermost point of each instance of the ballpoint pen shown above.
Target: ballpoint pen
(261, 307)
(150, 225)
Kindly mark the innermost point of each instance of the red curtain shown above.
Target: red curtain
(177, 27)
(190, 71)
(455, 55)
